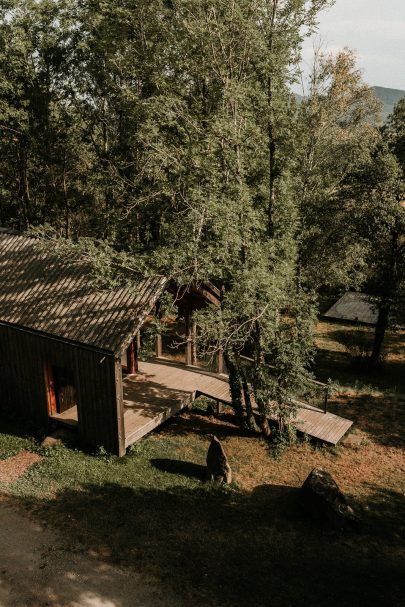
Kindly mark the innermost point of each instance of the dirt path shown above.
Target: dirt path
(38, 570)
(13, 467)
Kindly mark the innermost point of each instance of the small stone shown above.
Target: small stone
(218, 468)
(353, 440)
(51, 441)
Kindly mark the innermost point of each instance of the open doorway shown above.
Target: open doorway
(61, 394)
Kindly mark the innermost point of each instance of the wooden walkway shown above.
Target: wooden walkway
(161, 389)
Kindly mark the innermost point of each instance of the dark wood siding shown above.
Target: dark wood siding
(23, 356)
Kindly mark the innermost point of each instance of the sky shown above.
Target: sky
(373, 28)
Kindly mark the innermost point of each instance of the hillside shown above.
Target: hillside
(389, 98)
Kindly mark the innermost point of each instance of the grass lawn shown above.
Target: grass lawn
(251, 544)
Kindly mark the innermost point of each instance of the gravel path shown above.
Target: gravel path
(13, 467)
(38, 570)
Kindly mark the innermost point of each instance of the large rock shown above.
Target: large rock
(323, 498)
(218, 468)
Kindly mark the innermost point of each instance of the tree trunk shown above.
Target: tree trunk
(235, 384)
(258, 381)
(272, 192)
(66, 199)
(388, 291)
(380, 330)
(250, 418)
(271, 143)
(194, 359)
(24, 191)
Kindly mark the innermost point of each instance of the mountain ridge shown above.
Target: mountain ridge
(388, 97)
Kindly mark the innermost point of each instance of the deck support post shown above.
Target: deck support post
(158, 345)
(220, 361)
(189, 354)
(194, 343)
(132, 357)
(158, 341)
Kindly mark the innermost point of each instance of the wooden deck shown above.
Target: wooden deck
(161, 389)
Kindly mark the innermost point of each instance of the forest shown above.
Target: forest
(164, 136)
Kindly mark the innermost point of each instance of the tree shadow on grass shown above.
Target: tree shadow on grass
(384, 511)
(350, 370)
(203, 425)
(174, 466)
(381, 418)
(215, 546)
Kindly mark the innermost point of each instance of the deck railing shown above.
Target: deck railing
(311, 381)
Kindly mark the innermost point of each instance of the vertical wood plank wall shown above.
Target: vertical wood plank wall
(23, 357)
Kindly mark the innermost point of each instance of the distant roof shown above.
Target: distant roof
(355, 307)
(43, 292)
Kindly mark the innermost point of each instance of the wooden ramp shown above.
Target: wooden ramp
(326, 427)
(161, 389)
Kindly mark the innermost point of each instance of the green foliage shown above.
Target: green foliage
(282, 440)
(394, 133)
(337, 120)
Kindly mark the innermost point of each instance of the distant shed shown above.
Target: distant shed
(62, 339)
(355, 307)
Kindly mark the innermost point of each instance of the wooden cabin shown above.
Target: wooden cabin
(66, 346)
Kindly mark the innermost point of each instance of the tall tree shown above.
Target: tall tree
(339, 126)
(394, 133)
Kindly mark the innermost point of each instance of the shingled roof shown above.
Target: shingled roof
(355, 307)
(42, 292)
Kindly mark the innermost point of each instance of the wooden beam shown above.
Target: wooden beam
(189, 356)
(119, 408)
(158, 345)
(132, 357)
(194, 343)
(220, 361)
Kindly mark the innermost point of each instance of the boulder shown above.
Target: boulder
(323, 499)
(51, 441)
(218, 468)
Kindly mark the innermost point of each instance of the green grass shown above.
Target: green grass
(12, 441)
(65, 469)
